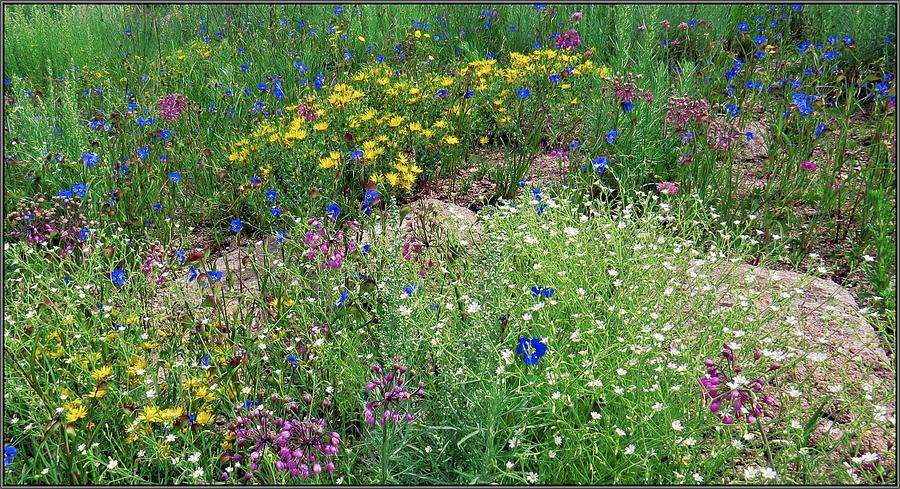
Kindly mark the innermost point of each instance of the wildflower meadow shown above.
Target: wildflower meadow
(515, 244)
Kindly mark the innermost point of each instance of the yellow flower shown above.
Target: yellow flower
(102, 373)
(204, 417)
(483, 140)
(320, 126)
(172, 413)
(150, 414)
(137, 367)
(418, 34)
(392, 179)
(97, 393)
(451, 140)
(395, 121)
(74, 410)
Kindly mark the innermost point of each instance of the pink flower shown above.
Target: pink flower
(808, 165)
(667, 188)
(665, 24)
(576, 16)
(642, 27)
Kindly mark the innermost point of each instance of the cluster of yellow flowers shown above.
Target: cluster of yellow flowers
(378, 118)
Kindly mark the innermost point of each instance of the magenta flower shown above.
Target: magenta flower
(667, 188)
(808, 165)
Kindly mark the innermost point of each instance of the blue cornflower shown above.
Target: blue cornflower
(84, 234)
(537, 194)
(174, 176)
(371, 197)
(554, 78)
(469, 94)
(181, 256)
(165, 134)
(441, 93)
(357, 154)
(79, 189)
(409, 290)
(599, 163)
(759, 40)
(627, 106)
(749, 136)
(271, 194)
(157, 207)
(293, 361)
(611, 136)
(575, 145)
(531, 349)
(276, 211)
(344, 296)
(205, 361)
(733, 110)
(333, 210)
(66, 194)
(89, 159)
(192, 274)
(524, 93)
(236, 225)
(819, 129)
(118, 277)
(214, 276)
(9, 453)
(830, 55)
(280, 237)
(743, 26)
(143, 152)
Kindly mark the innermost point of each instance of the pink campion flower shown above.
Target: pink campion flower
(576, 16)
(683, 25)
(722, 136)
(808, 165)
(665, 24)
(642, 27)
(667, 188)
(588, 53)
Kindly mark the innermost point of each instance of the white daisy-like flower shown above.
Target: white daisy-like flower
(629, 449)
(677, 426)
(532, 478)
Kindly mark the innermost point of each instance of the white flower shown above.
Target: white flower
(510, 465)
(698, 477)
(558, 440)
(868, 258)
(596, 415)
(141, 453)
(613, 272)
(572, 232)
(620, 432)
(262, 346)
(768, 473)
(737, 444)
(677, 426)
(751, 472)
(198, 473)
(112, 464)
(473, 308)
(629, 449)
(194, 458)
(532, 478)
(556, 395)
(795, 393)
(526, 317)
(621, 371)
(170, 438)
(796, 424)
(428, 449)
(405, 310)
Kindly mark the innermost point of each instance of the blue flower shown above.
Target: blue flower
(357, 154)
(271, 195)
(89, 159)
(205, 361)
(627, 106)
(84, 234)
(749, 136)
(575, 145)
(531, 349)
(537, 194)
(157, 207)
(118, 277)
(830, 55)
(9, 453)
(181, 256)
(524, 93)
(410, 289)
(192, 275)
(611, 136)
(143, 152)
(733, 110)
(333, 210)
(79, 189)
(743, 26)
(214, 276)
(236, 225)
(344, 296)
(599, 163)
(276, 211)
(441, 93)
(819, 129)
(372, 196)
(174, 176)
(280, 237)
(293, 361)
